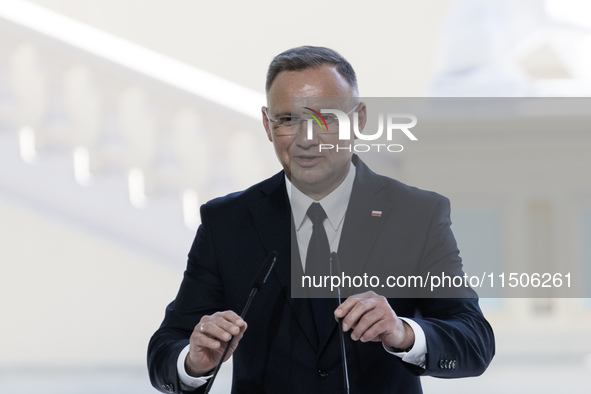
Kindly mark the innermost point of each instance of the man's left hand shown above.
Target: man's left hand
(372, 319)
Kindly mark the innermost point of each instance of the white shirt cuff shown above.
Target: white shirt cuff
(188, 382)
(417, 355)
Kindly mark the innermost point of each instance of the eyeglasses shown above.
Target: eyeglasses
(291, 125)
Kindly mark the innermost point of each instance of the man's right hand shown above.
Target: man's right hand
(209, 340)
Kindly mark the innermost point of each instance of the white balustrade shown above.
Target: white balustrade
(54, 129)
(110, 147)
(116, 120)
(8, 105)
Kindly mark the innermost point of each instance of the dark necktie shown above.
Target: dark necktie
(318, 255)
(317, 264)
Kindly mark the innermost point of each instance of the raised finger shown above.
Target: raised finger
(230, 316)
(203, 340)
(351, 319)
(345, 307)
(219, 328)
(367, 326)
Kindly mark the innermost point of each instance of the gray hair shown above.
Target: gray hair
(305, 57)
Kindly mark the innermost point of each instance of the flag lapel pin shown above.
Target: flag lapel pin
(377, 214)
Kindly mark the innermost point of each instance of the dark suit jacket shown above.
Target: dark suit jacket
(280, 351)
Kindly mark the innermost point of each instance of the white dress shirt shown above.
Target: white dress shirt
(335, 205)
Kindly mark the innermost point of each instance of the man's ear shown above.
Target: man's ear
(266, 124)
(362, 117)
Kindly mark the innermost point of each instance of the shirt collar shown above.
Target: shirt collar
(335, 204)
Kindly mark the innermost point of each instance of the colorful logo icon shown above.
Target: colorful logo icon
(316, 117)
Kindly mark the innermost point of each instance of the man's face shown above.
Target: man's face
(314, 172)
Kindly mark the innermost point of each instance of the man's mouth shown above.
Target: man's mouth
(307, 160)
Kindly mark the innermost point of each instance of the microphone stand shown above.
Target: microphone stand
(217, 368)
(260, 279)
(335, 260)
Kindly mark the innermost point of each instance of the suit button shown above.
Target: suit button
(442, 364)
(168, 387)
(322, 373)
(453, 364)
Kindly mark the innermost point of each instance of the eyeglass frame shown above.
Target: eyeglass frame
(302, 120)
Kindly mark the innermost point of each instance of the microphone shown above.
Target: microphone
(334, 262)
(258, 282)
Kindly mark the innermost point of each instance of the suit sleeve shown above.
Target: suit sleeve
(460, 342)
(200, 294)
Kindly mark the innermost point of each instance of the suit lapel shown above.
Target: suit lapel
(366, 213)
(273, 223)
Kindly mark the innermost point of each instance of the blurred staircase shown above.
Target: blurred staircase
(118, 139)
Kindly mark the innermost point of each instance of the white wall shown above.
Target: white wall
(390, 43)
(69, 297)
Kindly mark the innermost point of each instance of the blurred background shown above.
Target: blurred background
(118, 118)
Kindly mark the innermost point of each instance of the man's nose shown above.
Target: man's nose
(308, 134)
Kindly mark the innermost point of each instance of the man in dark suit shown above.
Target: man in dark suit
(322, 197)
